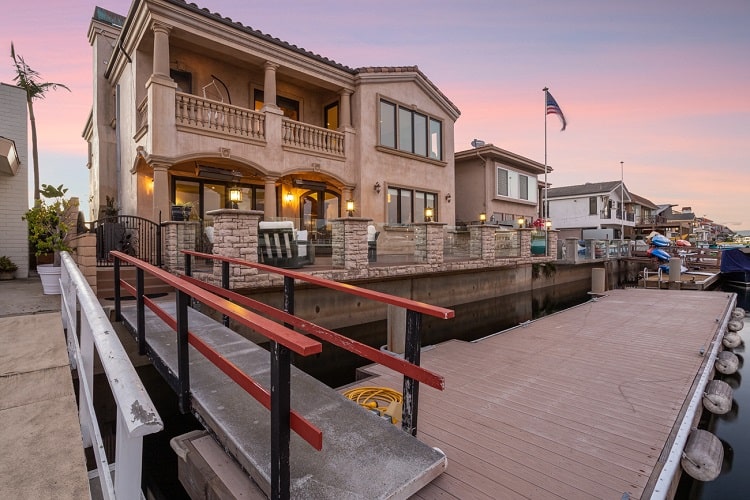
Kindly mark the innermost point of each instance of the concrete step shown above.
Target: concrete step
(105, 282)
(360, 452)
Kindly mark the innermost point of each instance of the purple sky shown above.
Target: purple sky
(656, 85)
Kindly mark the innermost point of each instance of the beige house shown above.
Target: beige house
(14, 177)
(503, 186)
(191, 108)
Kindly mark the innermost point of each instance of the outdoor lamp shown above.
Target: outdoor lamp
(350, 207)
(235, 194)
(428, 213)
(482, 217)
(548, 224)
(289, 197)
(521, 221)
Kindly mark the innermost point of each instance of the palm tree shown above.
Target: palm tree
(27, 79)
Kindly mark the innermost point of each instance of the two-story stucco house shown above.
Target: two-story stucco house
(193, 108)
(14, 177)
(596, 205)
(499, 184)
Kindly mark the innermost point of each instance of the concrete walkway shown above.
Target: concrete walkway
(41, 452)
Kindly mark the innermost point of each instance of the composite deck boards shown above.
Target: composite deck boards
(579, 404)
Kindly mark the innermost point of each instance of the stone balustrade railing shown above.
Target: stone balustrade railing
(193, 111)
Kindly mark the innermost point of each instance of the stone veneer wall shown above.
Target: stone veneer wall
(178, 236)
(430, 243)
(236, 236)
(349, 243)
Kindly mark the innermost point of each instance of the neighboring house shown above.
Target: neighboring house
(500, 184)
(190, 107)
(597, 205)
(680, 224)
(14, 177)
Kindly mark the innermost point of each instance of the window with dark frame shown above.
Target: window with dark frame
(183, 79)
(406, 206)
(289, 107)
(410, 131)
(592, 205)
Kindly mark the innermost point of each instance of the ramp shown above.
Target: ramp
(363, 455)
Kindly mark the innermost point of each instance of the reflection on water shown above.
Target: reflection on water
(731, 429)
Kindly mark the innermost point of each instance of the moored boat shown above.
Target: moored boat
(735, 266)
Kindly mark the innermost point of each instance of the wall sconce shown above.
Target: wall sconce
(235, 194)
(428, 213)
(376, 187)
(482, 217)
(350, 207)
(521, 222)
(289, 197)
(448, 197)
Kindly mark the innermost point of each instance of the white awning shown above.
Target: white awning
(9, 161)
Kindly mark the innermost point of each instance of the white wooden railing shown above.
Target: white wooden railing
(311, 138)
(196, 112)
(136, 414)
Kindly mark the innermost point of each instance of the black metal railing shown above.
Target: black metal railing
(131, 235)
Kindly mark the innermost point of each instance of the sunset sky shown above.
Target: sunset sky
(658, 85)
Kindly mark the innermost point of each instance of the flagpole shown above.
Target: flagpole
(545, 203)
(622, 203)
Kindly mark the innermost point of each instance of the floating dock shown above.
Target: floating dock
(585, 403)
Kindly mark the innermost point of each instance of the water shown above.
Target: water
(732, 429)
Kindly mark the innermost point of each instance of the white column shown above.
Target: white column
(161, 49)
(345, 114)
(269, 85)
(269, 206)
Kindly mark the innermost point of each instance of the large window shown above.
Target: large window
(290, 107)
(406, 206)
(204, 196)
(592, 205)
(410, 131)
(516, 185)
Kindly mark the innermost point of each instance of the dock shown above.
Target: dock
(585, 403)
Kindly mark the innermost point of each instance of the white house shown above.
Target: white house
(598, 205)
(14, 177)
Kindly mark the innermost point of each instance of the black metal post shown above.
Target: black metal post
(280, 408)
(183, 367)
(412, 349)
(288, 297)
(158, 242)
(225, 285)
(118, 315)
(140, 310)
(188, 265)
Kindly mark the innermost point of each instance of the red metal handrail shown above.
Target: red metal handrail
(289, 338)
(421, 307)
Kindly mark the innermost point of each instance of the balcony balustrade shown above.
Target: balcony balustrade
(311, 138)
(196, 112)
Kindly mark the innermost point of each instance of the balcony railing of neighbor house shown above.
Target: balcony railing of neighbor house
(311, 138)
(137, 416)
(196, 112)
(507, 243)
(134, 236)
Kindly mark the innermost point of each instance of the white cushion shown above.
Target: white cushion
(282, 224)
(210, 234)
(371, 233)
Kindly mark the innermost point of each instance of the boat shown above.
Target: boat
(735, 266)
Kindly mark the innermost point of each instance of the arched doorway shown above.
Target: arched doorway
(317, 209)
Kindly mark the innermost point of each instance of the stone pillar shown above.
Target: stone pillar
(161, 49)
(552, 244)
(349, 242)
(269, 85)
(178, 236)
(482, 242)
(269, 202)
(86, 257)
(236, 236)
(345, 110)
(429, 242)
(161, 198)
(525, 235)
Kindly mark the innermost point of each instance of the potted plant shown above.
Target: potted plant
(7, 269)
(47, 232)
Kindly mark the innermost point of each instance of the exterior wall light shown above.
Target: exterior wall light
(376, 187)
(428, 213)
(289, 197)
(350, 207)
(521, 222)
(235, 194)
(483, 217)
(448, 197)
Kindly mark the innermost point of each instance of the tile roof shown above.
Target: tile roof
(640, 200)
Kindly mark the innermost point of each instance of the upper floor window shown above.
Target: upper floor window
(410, 131)
(592, 205)
(516, 185)
(290, 107)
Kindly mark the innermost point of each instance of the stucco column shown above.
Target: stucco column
(161, 202)
(269, 194)
(349, 243)
(482, 242)
(345, 109)
(161, 49)
(429, 242)
(269, 85)
(236, 235)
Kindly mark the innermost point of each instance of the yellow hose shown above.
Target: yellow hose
(380, 399)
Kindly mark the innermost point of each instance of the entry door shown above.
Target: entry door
(317, 208)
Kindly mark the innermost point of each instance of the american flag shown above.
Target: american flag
(554, 109)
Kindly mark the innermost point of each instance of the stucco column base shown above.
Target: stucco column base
(178, 236)
(429, 241)
(482, 242)
(349, 242)
(236, 236)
